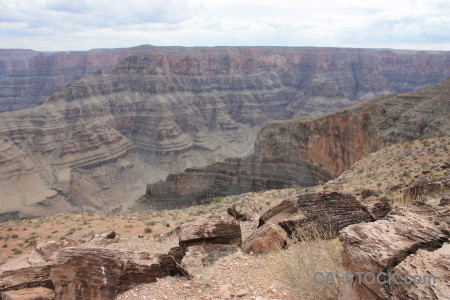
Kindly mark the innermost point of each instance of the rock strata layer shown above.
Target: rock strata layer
(410, 239)
(90, 273)
(328, 212)
(152, 111)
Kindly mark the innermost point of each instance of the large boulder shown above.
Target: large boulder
(329, 211)
(204, 241)
(210, 230)
(33, 269)
(38, 293)
(94, 273)
(433, 264)
(383, 245)
(266, 238)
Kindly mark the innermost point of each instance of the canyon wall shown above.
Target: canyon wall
(101, 139)
(304, 152)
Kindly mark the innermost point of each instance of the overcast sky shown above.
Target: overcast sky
(86, 24)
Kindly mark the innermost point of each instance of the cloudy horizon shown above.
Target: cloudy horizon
(59, 25)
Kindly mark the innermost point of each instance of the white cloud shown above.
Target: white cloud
(85, 24)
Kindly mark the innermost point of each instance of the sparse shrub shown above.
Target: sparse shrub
(71, 231)
(151, 223)
(310, 252)
(31, 243)
(148, 230)
(14, 236)
(217, 199)
(360, 171)
(9, 229)
(16, 251)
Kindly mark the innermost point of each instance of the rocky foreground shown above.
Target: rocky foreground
(217, 257)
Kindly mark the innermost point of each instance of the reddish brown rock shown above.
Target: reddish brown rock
(382, 245)
(266, 238)
(435, 264)
(210, 230)
(377, 207)
(328, 211)
(99, 273)
(38, 293)
(251, 208)
(33, 269)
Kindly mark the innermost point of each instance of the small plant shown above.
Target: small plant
(217, 199)
(148, 230)
(9, 229)
(360, 171)
(14, 236)
(151, 223)
(16, 251)
(71, 231)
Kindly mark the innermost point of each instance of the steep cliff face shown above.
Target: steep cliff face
(336, 142)
(101, 139)
(304, 152)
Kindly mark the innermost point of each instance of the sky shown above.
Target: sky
(60, 25)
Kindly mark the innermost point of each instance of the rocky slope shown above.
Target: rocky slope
(328, 145)
(98, 141)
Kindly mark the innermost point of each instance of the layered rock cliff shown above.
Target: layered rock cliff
(28, 76)
(305, 152)
(330, 77)
(101, 139)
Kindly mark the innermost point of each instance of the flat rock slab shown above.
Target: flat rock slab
(329, 211)
(83, 273)
(38, 293)
(212, 230)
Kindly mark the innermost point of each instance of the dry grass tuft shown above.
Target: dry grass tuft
(153, 246)
(310, 252)
(198, 269)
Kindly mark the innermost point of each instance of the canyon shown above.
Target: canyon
(89, 130)
(306, 152)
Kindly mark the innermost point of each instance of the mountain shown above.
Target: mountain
(28, 76)
(305, 152)
(101, 139)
